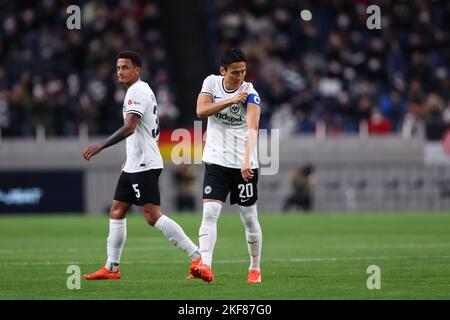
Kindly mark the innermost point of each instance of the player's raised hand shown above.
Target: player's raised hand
(240, 97)
(90, 151)
(246, 172)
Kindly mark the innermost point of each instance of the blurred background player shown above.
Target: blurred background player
(303, 184)
(184, 180)
(230, 156)
(138, 182)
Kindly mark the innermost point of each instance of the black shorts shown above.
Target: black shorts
(219, 181)
(139, 188)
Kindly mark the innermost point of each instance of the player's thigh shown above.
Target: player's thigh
(216, 183)
(146, 187)
(244, 193)
(124, 192)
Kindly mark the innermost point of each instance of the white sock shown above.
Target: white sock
(115, 242)
(176, 236)
(253, 235)
(207, 234)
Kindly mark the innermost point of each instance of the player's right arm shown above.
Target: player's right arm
(130, 124)
(206, 107)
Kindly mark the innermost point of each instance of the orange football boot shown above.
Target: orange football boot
(203, 271)
(102, 274)
(192, 271)
(254, 276)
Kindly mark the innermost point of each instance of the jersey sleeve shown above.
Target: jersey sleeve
(137, 102)
(208, 85)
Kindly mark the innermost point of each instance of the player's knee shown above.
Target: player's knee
(116, 213)
(211, 212)
(151, 216)
(249, 216)
(151, 219)
(250, 222)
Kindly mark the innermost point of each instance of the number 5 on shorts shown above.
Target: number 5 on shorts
(135, 187)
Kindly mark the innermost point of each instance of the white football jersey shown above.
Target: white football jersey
(142, 146)
(226, 133)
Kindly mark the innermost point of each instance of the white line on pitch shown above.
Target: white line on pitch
(290, 260)
(164, 248)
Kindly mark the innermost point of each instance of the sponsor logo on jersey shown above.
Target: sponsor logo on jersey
(226, 117)
(130, 102)
(208, 189)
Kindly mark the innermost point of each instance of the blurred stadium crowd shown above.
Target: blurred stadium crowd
(331, 70)
(335, 70)
(62, 78)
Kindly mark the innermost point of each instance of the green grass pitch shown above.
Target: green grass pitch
(317, 256)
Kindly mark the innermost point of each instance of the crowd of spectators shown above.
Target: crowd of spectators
(336, 71)
(60, 79)
(331, 70)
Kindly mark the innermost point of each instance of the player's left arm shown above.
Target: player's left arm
(253, 115)
(130, 124)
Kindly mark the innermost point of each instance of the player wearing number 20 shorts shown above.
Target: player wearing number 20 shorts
(232, 107)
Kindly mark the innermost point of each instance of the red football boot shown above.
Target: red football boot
(254, 276)
(102, 274)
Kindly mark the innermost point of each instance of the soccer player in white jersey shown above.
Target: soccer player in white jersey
(138, 182)
(230, 156)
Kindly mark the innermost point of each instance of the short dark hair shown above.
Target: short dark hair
(232, 55)
(135, 57)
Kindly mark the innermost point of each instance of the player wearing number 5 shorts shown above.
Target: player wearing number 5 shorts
(138, 182)
(230, 156)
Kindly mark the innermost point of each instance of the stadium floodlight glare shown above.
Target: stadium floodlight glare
(306, 15)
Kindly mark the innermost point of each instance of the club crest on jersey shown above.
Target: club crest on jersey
(235, 108)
